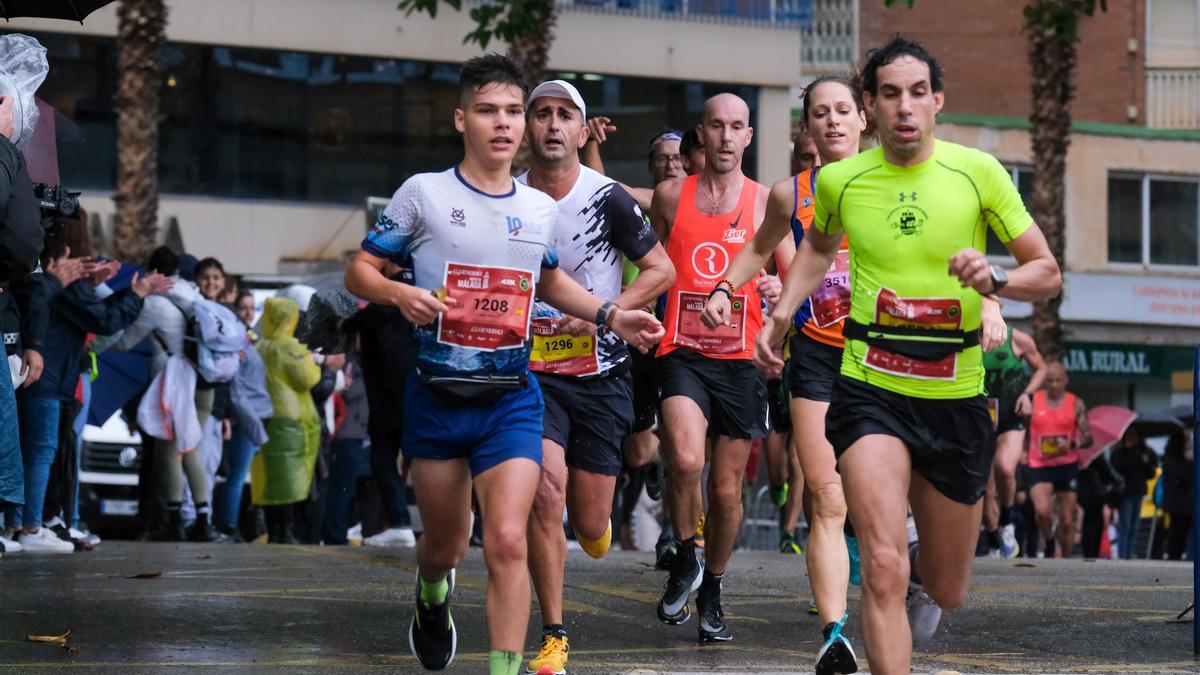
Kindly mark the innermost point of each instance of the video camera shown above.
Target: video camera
(56, 203)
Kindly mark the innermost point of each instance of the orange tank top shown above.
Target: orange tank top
(830, 303)
(701, 247)
(1051, 431)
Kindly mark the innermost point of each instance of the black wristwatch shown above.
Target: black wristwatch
(605, 313)
(999, 278)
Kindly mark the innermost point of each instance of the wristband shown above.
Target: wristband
(728, 284)
(720, 289)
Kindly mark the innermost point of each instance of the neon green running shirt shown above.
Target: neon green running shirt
(903, 225)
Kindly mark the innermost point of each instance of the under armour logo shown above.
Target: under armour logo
(908, 195)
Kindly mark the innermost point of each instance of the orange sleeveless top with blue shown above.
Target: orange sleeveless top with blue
(701, 246)
(822, 315)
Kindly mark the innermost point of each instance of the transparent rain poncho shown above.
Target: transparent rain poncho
(23, 68)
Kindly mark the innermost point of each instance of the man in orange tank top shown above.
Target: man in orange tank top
(708, 383)
(1057, 429)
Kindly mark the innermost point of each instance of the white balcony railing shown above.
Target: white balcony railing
(1173, 98)
(830, 27)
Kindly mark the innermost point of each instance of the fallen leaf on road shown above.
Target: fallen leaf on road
(1024, 565)
(206, 556)
(145, 575)
(53, 639)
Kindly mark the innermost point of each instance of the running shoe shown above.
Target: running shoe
(778, 495)
(664, 552)
(712, 619)
(1009, 548)
(552, 660)
(812, 608)
(855, 560)
(653, 478)
(700, 531)
(686, 576)
(789, 545)
(923, 614)
(597, 548)
(431, 635)
(836, 655)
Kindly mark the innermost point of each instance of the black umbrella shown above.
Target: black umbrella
(1162, 422)
(72, 10)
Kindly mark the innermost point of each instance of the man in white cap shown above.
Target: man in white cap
(583, 372)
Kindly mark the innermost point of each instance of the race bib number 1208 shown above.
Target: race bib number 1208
(492, 310)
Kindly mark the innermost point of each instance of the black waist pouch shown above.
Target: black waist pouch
(922, 344)
(473, 389)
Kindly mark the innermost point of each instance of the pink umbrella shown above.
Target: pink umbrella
(1109, 423)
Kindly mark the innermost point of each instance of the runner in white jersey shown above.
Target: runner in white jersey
(481, 244)
(583, 373)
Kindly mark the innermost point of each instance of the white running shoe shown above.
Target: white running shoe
(84, 536)
(10, 545)
(45, 541)
(1009, 548)
(355, 534)
(395, 536)
(924, 615)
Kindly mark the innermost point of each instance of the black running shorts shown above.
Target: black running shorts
(1006, 416)
(589, 418)
(813, 367)
(731, 392)
(645, 390)
(1064, 478)
(777, 406)
(950, 441)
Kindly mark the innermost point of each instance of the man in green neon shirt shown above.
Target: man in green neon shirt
(908, 419)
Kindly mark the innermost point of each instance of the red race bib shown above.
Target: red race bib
(560, 353)
(831, 300)
(493, 307)
(691, 332)
(938, 313)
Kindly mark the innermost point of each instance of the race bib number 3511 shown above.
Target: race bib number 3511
(492, 310)
(934, 313)
(831, 301)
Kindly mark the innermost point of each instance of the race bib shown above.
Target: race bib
(1054, 446)
(831, 301)
(994, 412)
(691, 332)
(493, 307)
(560, 353)
(936, 313)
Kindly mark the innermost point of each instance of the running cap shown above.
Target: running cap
(558, 89)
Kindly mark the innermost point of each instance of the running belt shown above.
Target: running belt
(923, 344)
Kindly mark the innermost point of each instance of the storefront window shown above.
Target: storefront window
(275, 125)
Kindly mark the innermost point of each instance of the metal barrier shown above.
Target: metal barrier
(760, 522)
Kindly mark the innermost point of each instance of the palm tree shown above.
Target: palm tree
(141, 32)
(1052, 27)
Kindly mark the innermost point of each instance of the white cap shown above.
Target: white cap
(558, 89)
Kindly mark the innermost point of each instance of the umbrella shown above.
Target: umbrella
(72, 10)
(1162, 422)
(1109, 423)
(123, 375)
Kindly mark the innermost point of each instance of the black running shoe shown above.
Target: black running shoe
(712, 618)
(664, 552)
(836, 655)
(686, 576)
(431, 635)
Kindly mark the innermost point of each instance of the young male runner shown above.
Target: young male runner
(481, 244)
(583, 375)
(1057, 429)
(907, 417)
(709, 386)
(1010, 390)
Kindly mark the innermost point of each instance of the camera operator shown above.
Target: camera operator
(21, 240)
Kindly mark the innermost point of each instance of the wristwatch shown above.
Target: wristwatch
(999, 278)
(605, 313)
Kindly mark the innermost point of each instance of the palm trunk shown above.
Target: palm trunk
(1052, 61)
(141, 33)
(531, 51)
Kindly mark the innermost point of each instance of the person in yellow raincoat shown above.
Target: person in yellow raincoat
(282, 471)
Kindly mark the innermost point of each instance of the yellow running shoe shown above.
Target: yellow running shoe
(552, 660)
(596, 548)
(700, 531)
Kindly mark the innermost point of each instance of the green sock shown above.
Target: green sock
(503, 663)
(434, 593)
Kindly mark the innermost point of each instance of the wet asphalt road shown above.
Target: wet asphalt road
(278, 609)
